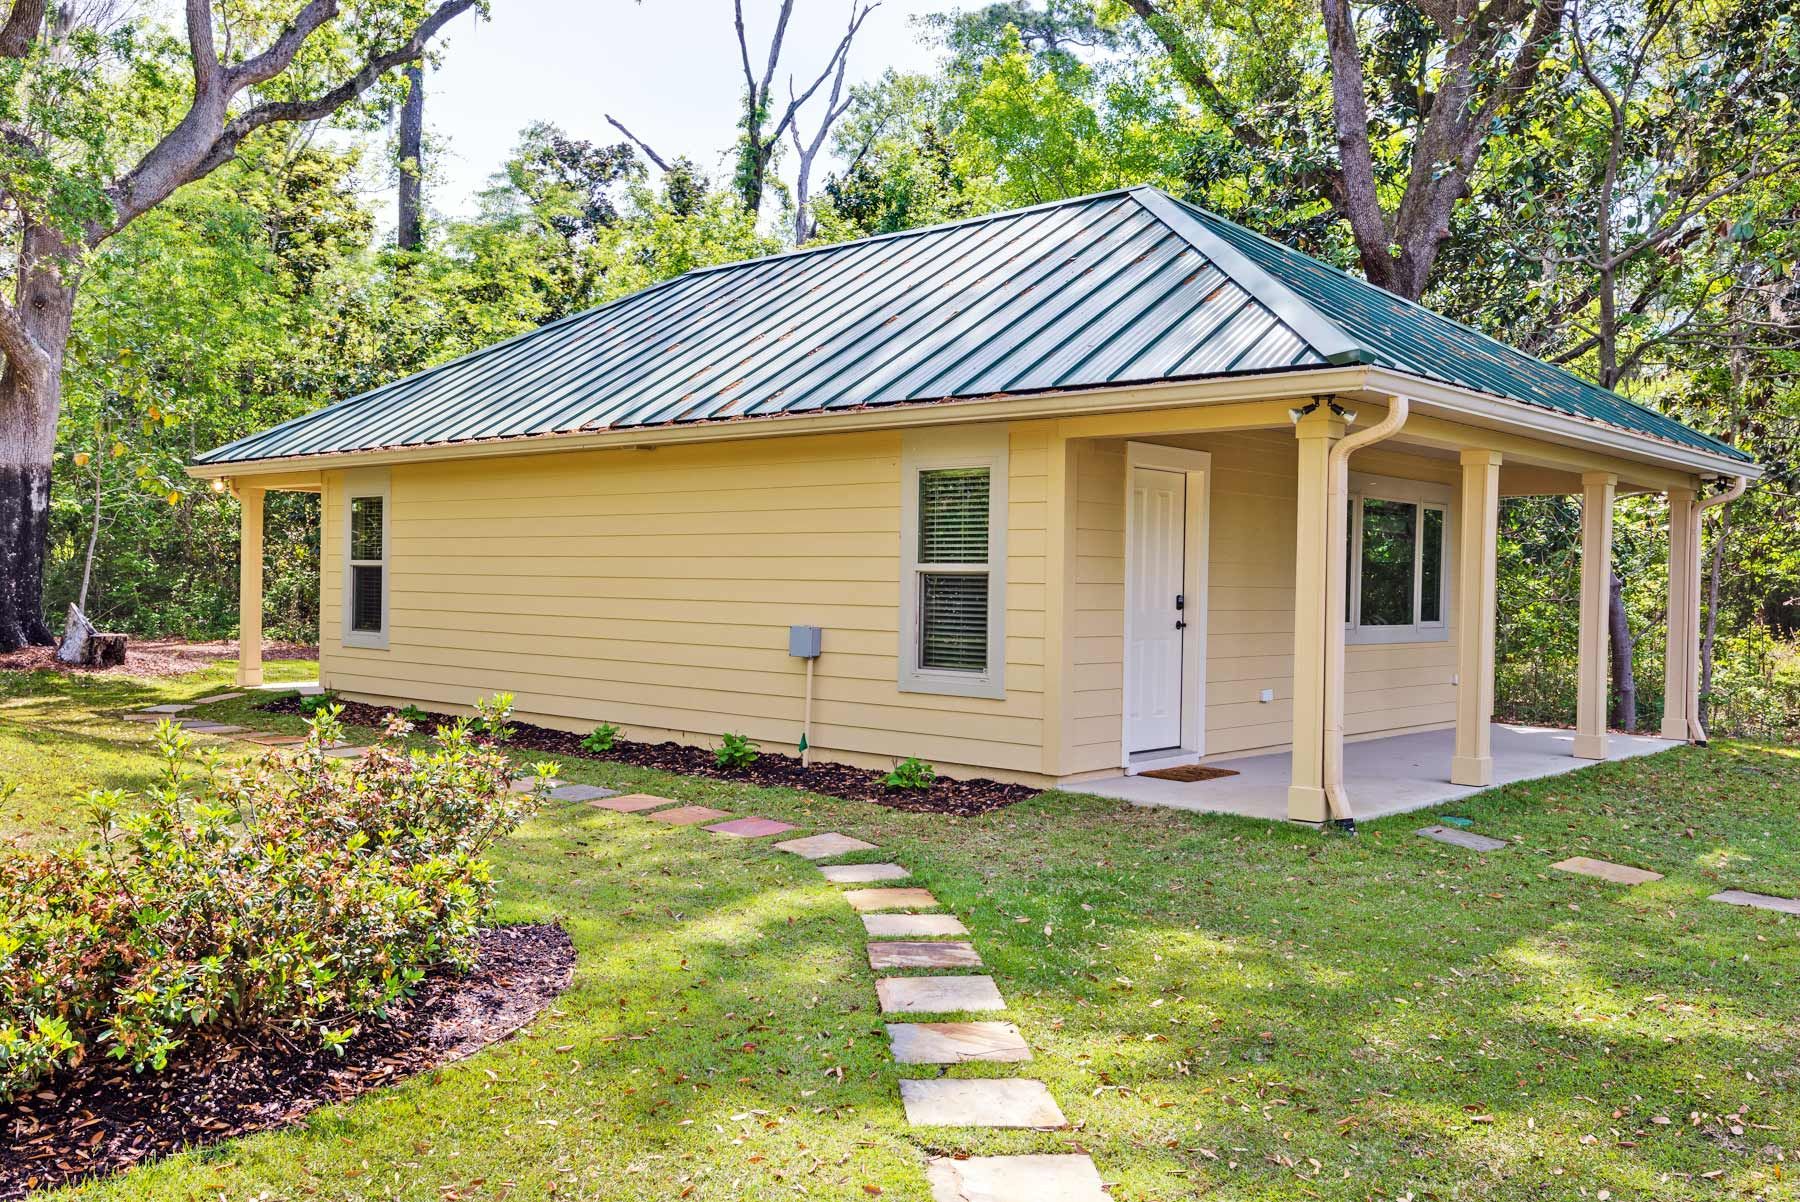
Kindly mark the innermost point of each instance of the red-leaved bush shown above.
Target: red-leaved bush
(296, 893)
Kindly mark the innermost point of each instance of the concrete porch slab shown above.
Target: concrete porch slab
(1383, 776)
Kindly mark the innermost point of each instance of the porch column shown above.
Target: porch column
(250, 586)
(1316, 432)
(1680, 653)
(1597, 490)
(1473, 762)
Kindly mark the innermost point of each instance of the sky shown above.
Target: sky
(668, 69)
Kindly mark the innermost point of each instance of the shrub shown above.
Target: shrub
(413, 713)
(912, 773)
(317, 703)
(736, 751)
(601, 739)
(285, 895)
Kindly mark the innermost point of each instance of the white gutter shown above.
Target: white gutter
(1697, 732)
(1337, 502)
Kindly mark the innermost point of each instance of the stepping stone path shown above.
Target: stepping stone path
(1619, 874)
(889, 899)
(274, 740)
(631, 803)
(858, 874)
(912, 926)
(908, 941)
(1760, 901)
(751, 828)
(212, 728)
(170, 708)
(956, 1043)
(1468, 839)
(216, 698)
(581, 793)
(935, 953)
(688, 815)
(980, 1102)
(1006, 1178)
(823, 847)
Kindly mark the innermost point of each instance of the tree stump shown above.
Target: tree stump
(104, 651)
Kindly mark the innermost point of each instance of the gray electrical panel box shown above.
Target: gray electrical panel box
(803, 641)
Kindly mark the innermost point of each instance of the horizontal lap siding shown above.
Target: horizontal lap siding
(654, 589)
(1250, 606)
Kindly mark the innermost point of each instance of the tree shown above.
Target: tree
(1407, 127)
(409, 229)
(93, 90)
(761, 130)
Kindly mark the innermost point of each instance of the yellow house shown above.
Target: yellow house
(1074, 492)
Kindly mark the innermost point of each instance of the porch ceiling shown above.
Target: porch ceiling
(1382, 776)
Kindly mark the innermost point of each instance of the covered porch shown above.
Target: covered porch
(1387, 775)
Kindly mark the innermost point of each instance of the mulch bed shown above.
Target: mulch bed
(965, 798)
(151, 658)
(102, 1117)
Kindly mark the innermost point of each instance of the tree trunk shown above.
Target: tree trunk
(1714, 572)
(1624, 681)
(29, 403)
(411, 229)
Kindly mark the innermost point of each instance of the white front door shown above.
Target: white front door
(1155, 574)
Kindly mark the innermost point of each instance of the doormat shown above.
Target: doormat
(1190, 772)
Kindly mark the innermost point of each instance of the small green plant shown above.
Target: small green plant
(737, 751)
(412, 713)
(912, 773)
(491, 714)
(314, 705)
(601, 739)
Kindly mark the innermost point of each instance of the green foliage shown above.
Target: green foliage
(413, 714)
(292, 895)
(912, 773)
(735, 751)
(317, 703)
(600, 740)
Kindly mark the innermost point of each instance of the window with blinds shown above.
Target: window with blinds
(954, 517)
(367, 598)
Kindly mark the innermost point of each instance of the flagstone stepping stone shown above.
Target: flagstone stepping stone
(142, 717)
(216, 698)
(523, 784)
(1065, 1178)
(912, 926)
(939, 953)
(1619, 874)
(212, 728)
(937, 995)
(347, 753)
(166, 709)
(984, 1102)
(1456, 838)
(889, 899)
(1761, 901)
(688, 815)
(631, 803)
(581, 793)
(274, 740)
(856, 874)
(955, 1043)
(751, 828)
(823, 847)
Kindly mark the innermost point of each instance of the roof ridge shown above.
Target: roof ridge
(1462, 325)
(914, 232)
(1324, 335)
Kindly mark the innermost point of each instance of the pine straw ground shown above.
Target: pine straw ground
(1225, 1009)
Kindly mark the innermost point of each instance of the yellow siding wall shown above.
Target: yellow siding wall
(1250, 605)
(654, 589)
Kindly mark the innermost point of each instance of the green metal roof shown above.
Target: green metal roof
(1125, 287)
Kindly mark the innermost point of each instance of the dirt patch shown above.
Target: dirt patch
(103, 1118)
(151, 658)
(962, 797)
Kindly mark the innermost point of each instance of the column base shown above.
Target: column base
(1306, 803)
(1590, 747)
(1475, 770)
(1675, 728)
(249, 675)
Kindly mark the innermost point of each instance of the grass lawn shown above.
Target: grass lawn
(1224, 1009)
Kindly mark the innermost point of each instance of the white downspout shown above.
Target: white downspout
(1696, 732)
(1337, 502)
